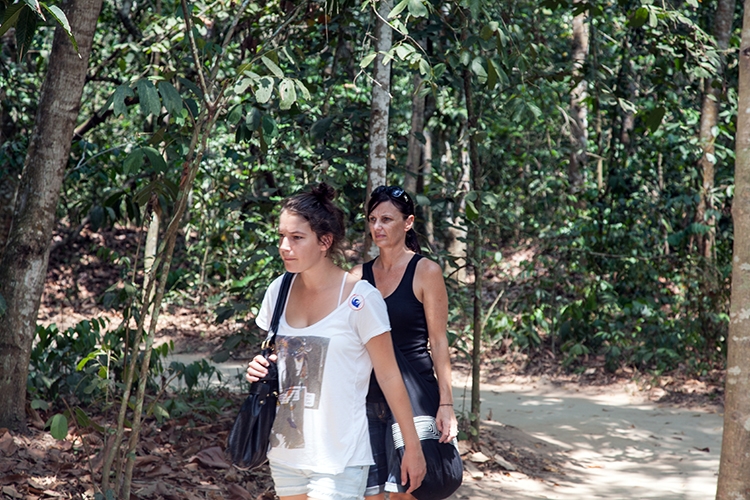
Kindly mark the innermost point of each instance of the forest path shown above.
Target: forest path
(590, 442)
(573, 441)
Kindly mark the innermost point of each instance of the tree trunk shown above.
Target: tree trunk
(414, 157)
(457, 232)
(578, 109)
(709, 118)
(476, 258)
(429, 228)
(381, 102)
(23, 265)
(734, 473)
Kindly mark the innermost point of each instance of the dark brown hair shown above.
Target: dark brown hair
(317, 208)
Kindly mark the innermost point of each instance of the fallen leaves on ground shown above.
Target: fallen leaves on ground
(177, 460)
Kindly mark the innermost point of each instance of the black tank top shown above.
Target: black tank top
(408, 325)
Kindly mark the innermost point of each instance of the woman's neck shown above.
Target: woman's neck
(321, 276)
(394, 256)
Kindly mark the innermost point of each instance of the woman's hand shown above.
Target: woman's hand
(446, 423)
(413, 467)
(257, 368)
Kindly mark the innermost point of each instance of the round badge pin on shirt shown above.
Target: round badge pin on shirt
(357, 302)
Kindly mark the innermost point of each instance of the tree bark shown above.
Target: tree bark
(578, 109)
(23, 265)
(414, 157)
(734, 473)
(709, 118)
(381, 102)
(476, 258)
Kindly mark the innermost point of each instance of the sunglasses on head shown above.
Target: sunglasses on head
(395, 192)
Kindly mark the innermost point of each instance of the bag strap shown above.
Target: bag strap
(278, 309)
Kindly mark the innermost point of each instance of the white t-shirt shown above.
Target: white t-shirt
(324, 375)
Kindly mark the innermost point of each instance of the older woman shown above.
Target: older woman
(417, 302)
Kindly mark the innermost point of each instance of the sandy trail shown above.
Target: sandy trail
(598, 442)
(609, 440)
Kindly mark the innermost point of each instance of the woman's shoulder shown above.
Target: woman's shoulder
(427, 267)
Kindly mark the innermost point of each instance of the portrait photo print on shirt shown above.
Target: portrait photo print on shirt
(301, 363)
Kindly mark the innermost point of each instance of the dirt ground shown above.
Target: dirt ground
(545, 433)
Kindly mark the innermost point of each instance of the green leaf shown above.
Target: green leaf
(121, 93)
(368, 59)
(488, 31)
(235, 114)
(59, 16)
(654, 118)
(264, 90)
(3, 306)
(320, 127)
(639, 17)
(25, 28)
(398, 9)
(171, 98)
(417, 8)
(243, 85)
(58, 426)
(269, 126)
(477, 67)
(39, 404)
(133, 162)
(148, 97)
(156, 159)
(35, 7)
(10, 18)
(472, 213)
(253, 118)
(492, 75)
(287, 93)
(424, 67)
(272, 67)
(303, 89)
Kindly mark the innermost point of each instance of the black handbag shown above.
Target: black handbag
(249, 439)
(444, 466)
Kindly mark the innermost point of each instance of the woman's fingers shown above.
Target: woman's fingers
(257, 368)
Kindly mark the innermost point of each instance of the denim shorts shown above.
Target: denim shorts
(349, 485)
(378, 415)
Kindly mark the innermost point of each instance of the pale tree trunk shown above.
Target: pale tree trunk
(381, 102)
(23, 265)
(578, 109)
(149, 250)
(709, 118)
(476, 258)
(734, 473)
(429, 227)
(414, 157)
(457, 232)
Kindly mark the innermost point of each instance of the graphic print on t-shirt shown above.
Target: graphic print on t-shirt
(300, 362)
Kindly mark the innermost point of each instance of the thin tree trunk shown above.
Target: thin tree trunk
(578, 109)
(149, 250)
(709, 118)
(457, 231)
(415, 153)
(23, 265)
(429, 228)
(476, 258)
(381, 102)
(734, 473)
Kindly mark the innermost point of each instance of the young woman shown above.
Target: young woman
(332, 334)
(417, 302)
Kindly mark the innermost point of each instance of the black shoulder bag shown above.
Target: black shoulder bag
(249, 439)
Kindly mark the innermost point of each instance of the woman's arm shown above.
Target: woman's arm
(380, 349)
(431, 291)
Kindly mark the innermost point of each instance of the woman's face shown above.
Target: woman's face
(388, 226)
(299, 246)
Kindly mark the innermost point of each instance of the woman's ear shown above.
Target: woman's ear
(409, 222)
(326, 241)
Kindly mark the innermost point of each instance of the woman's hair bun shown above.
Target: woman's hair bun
(323, 192)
